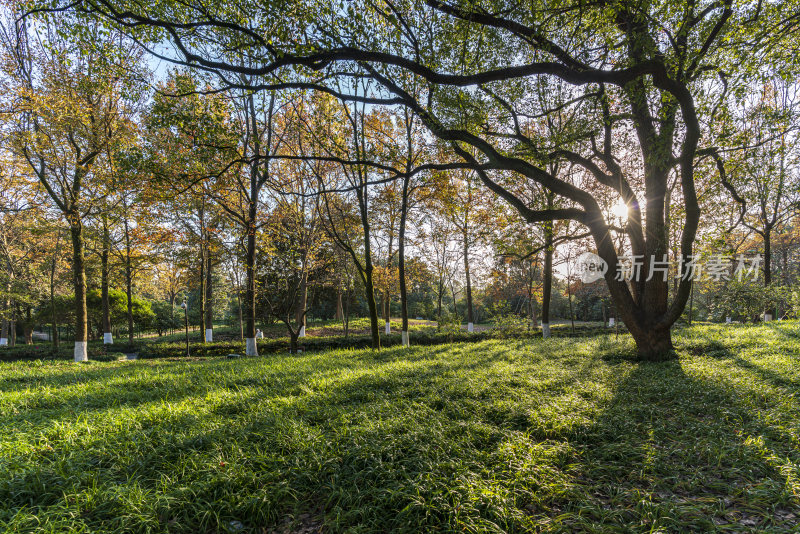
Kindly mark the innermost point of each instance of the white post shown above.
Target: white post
(611, 322)
(470, 327)
(388, 328)
(302, 331)
(545, 330)
(404, 335)
(3, 341)
(767, 317)
(251, 348)
(108, 339)
(727, 319)
(209, 335)
(80, 351)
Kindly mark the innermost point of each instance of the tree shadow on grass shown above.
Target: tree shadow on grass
(679, 453)
(426, 441)
(716, 349)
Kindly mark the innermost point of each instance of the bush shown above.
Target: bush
(449, 325)
(110, 357)
(35, 352)
(509, 325)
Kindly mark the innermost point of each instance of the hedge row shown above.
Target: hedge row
(315, 344)
(155, 349)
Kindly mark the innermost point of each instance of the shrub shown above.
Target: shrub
(449, 325)
(509, 325)
(110, 357)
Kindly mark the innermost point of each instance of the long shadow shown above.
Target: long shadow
(719, 350)
(665, 451)
(672, 452)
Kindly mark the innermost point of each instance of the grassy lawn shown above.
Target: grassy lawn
(564, 436)
(314, 328)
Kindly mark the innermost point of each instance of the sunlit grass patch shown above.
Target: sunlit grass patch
(561, 435)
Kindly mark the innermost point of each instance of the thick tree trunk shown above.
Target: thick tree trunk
(209, 331)
(106, 319)
(79, 281)
(652, 345)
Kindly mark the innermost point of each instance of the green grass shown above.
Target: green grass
(564, 436)
(358, 325)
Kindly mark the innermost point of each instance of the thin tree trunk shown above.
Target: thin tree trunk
(369, 286)
(27, 329)
(241, 316)
(439, 297)
(209, 312)
(300, 311)
(106, 319)
(53, 317)
(767, 256)
(12, 342)
(250, 291)
(129, 280)
(372, 306)
(346, 313)
(79, 281)
(571, 313)
(401, 263)
(547, 275)
(339, 307)
(470, 319)
(4, 332)
(203, 253)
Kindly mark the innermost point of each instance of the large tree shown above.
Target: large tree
(637, 70)
(72, 97)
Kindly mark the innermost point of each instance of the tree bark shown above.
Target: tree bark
(653, 345)
(369, 285)
(250, 290)
(302, 302)
(372, 305)
(106, 319)
(470, 320)
(547, 276)
(339, 307)
(767, 236)
(203, 253)
(401, 263)
(27, 328)
(4, 332)
(209, 315)
(53, 316)
(79, 282)
(128, 279)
